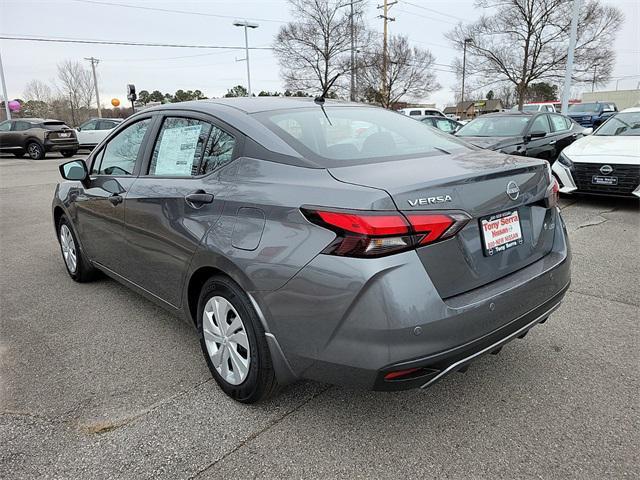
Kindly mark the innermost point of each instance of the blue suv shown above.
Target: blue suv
(592, 114)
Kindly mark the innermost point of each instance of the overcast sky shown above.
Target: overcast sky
(213, 72)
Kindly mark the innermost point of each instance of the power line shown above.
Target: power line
(123, 43)
(434, 11)
(424, 16)
(182, 12)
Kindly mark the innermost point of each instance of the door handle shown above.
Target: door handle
(198, 198)
(552, 142)
(115, 199)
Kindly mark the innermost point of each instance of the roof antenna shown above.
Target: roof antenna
(319, 100)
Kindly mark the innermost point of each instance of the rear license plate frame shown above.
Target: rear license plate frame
(488, 250)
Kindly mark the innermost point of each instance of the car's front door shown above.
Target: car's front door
(100, 206)
(6, 137)
(175, 200)
(541, 147)
(86, 133)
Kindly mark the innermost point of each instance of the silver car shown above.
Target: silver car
(330, 241)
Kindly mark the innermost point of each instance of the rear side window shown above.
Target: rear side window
(558, 123)
(178, 150)
(541, 123)
(445, 125)
(121, 153)
(415, 112)
(188, 147)
(21, 126)
(5, 126)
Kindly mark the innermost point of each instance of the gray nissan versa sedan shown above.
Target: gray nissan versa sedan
(331, 241)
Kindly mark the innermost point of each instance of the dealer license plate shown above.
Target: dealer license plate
(600, 180)
(500, 232)
(64, 134)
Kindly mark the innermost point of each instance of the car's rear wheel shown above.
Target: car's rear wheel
(35, 151)
(77, 265)
(68, 153)
(233, 342)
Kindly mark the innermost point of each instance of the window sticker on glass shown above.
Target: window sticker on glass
(177, 150)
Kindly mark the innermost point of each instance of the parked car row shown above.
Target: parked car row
(37, 136)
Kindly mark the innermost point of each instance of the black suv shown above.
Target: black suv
(36, 137)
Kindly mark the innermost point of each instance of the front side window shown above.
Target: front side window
(178, 150)
(121, 153)
(106, 125)
(90, 125)
(355, 135)
(558, 123)
(415, 112)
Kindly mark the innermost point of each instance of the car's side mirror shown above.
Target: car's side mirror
(79, 129)
(537, 134)
(587, 131)
(74, 170)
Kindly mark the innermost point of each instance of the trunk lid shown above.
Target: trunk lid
(476, 183)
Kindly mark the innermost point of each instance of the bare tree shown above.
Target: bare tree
(315, 48)
(76, 84)
(527, 40)
(409, 73)
(37, 90)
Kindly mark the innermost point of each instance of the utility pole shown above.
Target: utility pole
(464, 66)
(94, 62)
(4, 91)
(73, 113)
(246, 25)
(385, 16)
(593, 84)
(566, 91)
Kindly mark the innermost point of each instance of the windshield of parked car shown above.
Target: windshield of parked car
(529, 108)
(502, 126)
(356, 135)
(623, 124)
(585, 107)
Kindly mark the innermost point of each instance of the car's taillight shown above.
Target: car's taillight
(375, 234)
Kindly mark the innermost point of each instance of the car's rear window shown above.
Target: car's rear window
(54, 125)
(356, 135)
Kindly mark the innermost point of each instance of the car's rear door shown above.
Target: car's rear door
(541, 147)
(175, 200)
(99, 208)
(562, 133)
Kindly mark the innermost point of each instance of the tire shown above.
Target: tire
(35, 151)
(78, 267)
(68, 153)
(19, 154)
(220, 296)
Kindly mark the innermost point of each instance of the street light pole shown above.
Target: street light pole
(566, 91)
(246, 25)
(593, 84)
(4, 91)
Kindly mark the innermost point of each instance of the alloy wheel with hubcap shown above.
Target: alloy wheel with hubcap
(226, 340)
(68, 248)
(35, 151)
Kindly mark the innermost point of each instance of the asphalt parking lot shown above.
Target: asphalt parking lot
(97, 382)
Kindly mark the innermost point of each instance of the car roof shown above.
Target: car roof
(36, 120)
(631, 109)
(253, 104)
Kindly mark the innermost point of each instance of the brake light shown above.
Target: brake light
(553, 193)
(375, 234)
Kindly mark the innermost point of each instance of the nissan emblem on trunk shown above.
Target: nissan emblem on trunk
(513, 190)
(606, 169)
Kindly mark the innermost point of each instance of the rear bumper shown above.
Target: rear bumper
(51, 146)
(351, 321)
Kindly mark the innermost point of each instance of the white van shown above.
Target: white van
(421, 111)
